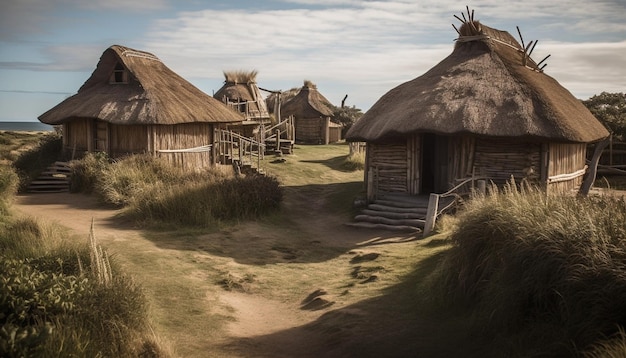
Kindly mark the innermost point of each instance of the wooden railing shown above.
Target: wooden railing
(456, 193)
(231, 146)
(284, 131)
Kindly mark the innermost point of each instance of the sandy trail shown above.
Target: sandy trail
(252, 315)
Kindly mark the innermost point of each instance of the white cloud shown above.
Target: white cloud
(586, 69)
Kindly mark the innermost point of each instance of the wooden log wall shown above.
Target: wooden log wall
(388, 163)
(312, 130)
(499, 159)
(566, 158)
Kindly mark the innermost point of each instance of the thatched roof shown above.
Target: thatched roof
(482, 88)
(308, 103)
(241, 86)
(151, 94)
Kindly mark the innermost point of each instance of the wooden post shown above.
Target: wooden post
(326, 130)
(431, 213)
(482, 186)
(593, 167)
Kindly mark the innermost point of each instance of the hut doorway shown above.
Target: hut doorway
(434, 163)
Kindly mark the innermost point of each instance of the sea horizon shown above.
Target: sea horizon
(25, 126)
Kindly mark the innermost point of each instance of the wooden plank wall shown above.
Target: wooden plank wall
(184, 136)
(566, 158)
(413, 159)
(76, 137)
(334, 134)
(128, 139)
(461, 152)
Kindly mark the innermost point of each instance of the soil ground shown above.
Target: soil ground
(305, 286)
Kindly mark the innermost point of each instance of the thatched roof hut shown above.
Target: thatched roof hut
(487, 108)
(241, 92)
(313, 114)
(134, 103)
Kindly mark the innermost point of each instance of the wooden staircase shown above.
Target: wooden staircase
(398, 212)
(55, 179)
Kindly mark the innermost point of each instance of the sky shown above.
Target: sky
(363, 49)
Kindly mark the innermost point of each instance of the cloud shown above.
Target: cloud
(75, 58)
(20, 18)
(586, 69)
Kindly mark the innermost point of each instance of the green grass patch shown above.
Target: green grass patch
(54, 297)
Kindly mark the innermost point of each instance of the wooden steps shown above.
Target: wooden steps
(397, 212)
(55, 179)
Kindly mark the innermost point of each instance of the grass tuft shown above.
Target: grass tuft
(534, 265)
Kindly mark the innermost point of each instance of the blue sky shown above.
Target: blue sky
(49, 48)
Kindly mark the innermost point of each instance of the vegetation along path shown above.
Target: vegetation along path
(296, 284)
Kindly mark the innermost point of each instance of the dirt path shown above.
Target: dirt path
(264, 318)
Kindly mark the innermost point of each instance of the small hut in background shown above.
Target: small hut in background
(241, 92)
(133, 103)
(487, 110)
(313, 115)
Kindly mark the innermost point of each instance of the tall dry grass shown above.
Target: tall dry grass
(153, 191)
(547, 270)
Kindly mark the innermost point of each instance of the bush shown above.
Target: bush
(88, 171)
(34, 161)
(355, 161)
(204, 204)
(154, 191)
(8, 187)
(52, 300)
(551, 268)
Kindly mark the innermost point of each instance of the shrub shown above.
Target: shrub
(8, 187)
(354, 161)
(548, 266)
(87, 171)
(204, 204)
(34, 161)
(53, 300)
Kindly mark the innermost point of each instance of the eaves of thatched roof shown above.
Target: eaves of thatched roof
(483, 88)
(308, 103)
(151, 94)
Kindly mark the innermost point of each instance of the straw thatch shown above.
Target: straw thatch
(240, 91)
(486, 87)
(147, 92)
(308, 103)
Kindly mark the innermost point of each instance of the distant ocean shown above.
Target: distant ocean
(25, 126)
